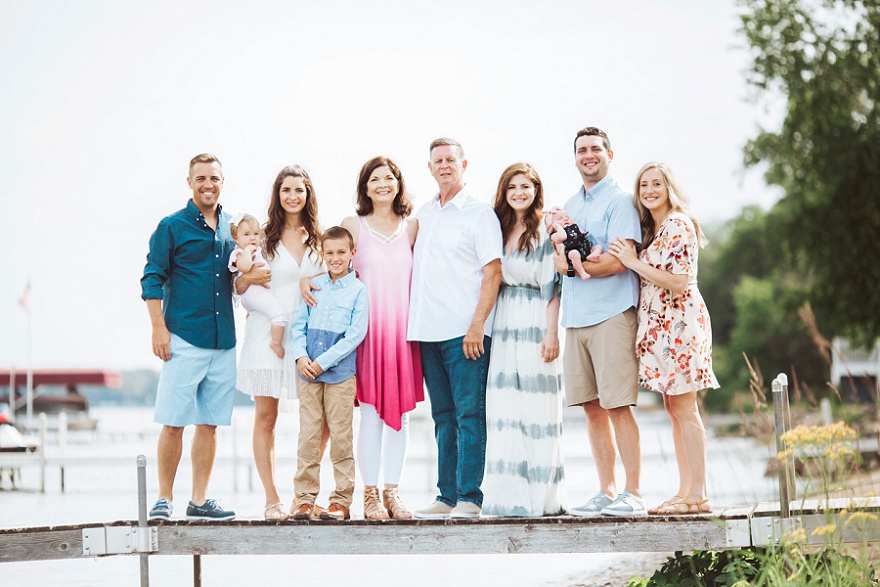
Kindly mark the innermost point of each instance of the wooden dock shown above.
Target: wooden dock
(739, 527)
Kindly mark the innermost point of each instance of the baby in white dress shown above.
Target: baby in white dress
(245, 231)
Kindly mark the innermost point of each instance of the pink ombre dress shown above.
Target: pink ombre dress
(389, 369)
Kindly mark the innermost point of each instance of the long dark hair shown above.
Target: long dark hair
(532, 216)
(277, 216)
(402, 206)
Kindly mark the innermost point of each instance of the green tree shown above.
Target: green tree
(754, 300)
(822, 55)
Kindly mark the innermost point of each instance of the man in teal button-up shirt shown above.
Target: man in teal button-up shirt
(188, 291)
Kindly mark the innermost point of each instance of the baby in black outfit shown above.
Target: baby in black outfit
(571, 241)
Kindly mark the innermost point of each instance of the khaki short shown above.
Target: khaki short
(600, 362)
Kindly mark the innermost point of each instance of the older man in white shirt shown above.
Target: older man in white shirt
(456, 275)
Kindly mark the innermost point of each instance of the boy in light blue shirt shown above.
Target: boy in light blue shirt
(324, 343)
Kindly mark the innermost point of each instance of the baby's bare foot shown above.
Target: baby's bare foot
(278, 348)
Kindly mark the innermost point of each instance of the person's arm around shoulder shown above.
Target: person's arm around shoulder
(307, 283)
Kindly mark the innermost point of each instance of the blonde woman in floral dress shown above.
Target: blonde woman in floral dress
(674, 340)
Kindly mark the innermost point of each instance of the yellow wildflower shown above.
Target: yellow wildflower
(823, 530)
(867, 516)
(797, 535)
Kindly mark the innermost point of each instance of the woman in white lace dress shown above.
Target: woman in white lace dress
(290, 245)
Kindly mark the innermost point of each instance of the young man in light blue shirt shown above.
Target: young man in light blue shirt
(599, 364)
(324, 343)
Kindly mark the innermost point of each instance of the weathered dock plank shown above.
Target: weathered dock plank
(41, 544)
(556, 535)
(485, 536)
(731, 527)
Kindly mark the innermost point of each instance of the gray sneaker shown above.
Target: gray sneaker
(435, 511)
(593, 507)
(466, 509)
(161, 510)
(626, 505)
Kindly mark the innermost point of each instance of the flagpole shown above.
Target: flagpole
(25, 301)
(30, 373)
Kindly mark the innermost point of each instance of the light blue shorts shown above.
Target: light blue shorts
(197, 386)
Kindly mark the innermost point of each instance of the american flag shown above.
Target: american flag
(26, 300)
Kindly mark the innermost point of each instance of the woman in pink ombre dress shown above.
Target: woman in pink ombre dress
(389, 370)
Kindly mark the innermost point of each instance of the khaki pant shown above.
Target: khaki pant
(335, 403)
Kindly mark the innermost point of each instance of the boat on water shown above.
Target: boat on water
(56, 391)
(11, 438)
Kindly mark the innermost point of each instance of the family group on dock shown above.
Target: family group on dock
(463, 296)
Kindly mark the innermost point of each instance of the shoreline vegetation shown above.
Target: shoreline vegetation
(829, 466)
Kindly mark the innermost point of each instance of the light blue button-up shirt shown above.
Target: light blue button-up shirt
(606, 212)
(330, 332)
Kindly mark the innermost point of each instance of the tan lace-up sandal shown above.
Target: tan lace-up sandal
(395, 507)
(275, 512)
(373, 508)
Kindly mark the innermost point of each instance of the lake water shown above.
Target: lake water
(107, 491)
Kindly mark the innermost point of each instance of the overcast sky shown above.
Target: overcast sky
(102, 104)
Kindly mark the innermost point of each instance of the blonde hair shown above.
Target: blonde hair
(245, 219)
(678, 202)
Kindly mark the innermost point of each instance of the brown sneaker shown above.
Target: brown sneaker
(303, 511)
(336, 512)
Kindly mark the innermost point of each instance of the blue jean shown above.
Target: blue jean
(457, 388)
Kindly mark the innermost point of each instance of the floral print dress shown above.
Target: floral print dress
(674, 340)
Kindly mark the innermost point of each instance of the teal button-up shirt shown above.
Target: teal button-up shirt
(186, 269)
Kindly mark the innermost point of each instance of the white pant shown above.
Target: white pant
(380, 444)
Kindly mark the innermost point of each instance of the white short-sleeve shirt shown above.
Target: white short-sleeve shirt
(454, 243)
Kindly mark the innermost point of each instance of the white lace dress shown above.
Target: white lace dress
(260, 371)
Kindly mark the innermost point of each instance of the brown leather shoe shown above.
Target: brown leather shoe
(336, 512)
(317, 511)
(303, 511)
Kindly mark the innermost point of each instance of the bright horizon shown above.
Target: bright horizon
(105, 103)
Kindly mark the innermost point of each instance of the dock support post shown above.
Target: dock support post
(44, 425)
(197, 570)
(142, 517)
(789, 460)
(782, 419)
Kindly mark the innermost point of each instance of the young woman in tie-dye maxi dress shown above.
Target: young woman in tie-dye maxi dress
(524, 461)
(674, 340)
